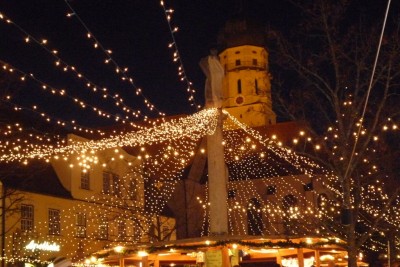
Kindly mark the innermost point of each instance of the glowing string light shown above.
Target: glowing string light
(118, 69)
(177, 58)
(62, 64)
(195, 126)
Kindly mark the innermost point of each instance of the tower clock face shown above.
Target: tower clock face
(239, 100)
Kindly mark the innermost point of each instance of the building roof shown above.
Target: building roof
(37, 177)
(283, 132)
(241, 31)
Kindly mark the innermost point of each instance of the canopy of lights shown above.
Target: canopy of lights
(250, 155)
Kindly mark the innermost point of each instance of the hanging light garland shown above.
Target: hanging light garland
(61, 64)
(177, 57)
(122, 71)
(194, 126)
(57, 92)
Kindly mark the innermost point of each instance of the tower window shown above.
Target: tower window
(237, 62)
(256, 86)
(239, 86)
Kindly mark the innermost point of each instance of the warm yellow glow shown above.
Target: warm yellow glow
(119, 249)
(326, 258)
(142, 253)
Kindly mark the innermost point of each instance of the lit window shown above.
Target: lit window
(54, 222)
(27, 217)
(111, 184)
(85, 180)
(121, 230)
(106, 183)
(103, 228)
(80, 225)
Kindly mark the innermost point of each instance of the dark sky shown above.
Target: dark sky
(137, 33)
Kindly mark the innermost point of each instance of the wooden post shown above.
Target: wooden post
(225, 257)
(317, 260)
(121, 262)
(279, 258)
(217, 181)
(145, 261)
(157, 262)
(300, 257)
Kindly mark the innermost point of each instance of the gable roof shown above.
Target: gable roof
(37, 177)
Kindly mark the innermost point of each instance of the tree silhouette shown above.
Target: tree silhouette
(325, 76)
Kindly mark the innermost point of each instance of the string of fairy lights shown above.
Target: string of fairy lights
(57, 92)
(65, 67)
(327, 209)
(166, 165)
(50, 119)
(122, 71)
(168, 11)
(255, 161)
(194, 126)
(237, 149)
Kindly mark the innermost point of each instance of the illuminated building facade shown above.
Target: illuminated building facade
(73, 207)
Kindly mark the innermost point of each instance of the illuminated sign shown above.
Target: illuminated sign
(43, 246)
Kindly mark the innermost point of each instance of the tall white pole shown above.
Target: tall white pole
(217, 181)
(217, 174)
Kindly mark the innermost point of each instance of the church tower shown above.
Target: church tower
(246, 86)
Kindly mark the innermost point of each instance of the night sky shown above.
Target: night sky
(138, 35)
